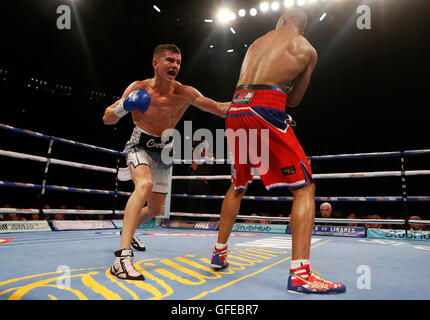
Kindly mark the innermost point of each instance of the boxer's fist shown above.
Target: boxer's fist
(137, 100)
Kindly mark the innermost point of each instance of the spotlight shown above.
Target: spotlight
(264, 6)
(301, 2)
(275, 6)
(223, 15)
(253, 12)
(242, 12)
(289, 3)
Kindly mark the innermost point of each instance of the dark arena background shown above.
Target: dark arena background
(368, 95)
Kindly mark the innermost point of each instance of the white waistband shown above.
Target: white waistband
(146, 132)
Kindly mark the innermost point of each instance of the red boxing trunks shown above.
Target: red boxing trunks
(259, 136)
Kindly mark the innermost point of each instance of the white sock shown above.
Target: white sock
(298, 263)
(220, 245)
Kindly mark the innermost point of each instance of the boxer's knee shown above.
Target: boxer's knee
(143, 186)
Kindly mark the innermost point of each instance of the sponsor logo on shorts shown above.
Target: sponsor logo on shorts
(243, 97)
(288, 170)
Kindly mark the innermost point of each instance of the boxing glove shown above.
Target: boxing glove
(137, 100)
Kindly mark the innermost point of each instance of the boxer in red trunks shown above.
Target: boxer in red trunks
(276, 71)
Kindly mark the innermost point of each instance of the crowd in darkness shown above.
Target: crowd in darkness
(325, 211)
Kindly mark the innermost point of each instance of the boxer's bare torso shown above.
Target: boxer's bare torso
(169, 98)
(280, 58)
(166, 107)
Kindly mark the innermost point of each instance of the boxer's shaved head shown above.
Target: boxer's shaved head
(293, 17)
(162, 48)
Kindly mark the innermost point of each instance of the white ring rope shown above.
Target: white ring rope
(322, 175)
(209, 215)
(319, 220)
(215, 177)
(25, 156)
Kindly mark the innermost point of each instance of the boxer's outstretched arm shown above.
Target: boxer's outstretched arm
(109, 117)
(300, 84)
(195, 98)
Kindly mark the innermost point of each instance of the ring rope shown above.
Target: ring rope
(177, 161)
(319, 220)
(183, 195)
(25, 156)
(44, 136)
(339, 199)
(62, 188)
(209, 215)
(322, 175)
(55, 211)
(219, 177)
(214, 177)
(323, 157)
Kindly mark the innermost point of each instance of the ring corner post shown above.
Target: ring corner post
(404, 191)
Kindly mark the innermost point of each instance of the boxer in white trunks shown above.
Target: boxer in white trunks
(156, 104)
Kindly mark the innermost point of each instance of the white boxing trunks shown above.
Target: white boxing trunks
(145, 148)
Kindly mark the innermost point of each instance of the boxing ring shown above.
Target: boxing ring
(70, 260)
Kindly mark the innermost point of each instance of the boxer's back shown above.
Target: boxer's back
(277, 58)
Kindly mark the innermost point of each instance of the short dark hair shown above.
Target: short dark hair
(161, 48)
(295, 15)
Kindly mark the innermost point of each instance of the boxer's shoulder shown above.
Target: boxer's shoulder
(142, 84)
(189, 93)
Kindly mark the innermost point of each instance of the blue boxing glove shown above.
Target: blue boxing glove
(137, 100)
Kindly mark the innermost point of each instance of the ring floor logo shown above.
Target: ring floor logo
(181, 277)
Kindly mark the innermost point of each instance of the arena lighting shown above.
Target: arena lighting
(156, 8)
(264, 6)
(301, 2)
(275, 6)
(289, 3)
(223, 15)
(242, 12)
(253, 12)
